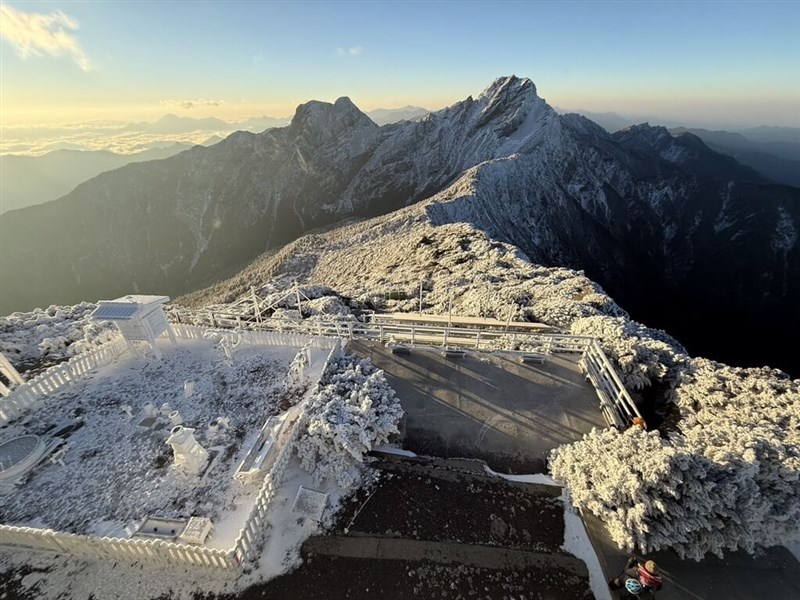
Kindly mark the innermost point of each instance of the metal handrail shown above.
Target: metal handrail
(616, 403)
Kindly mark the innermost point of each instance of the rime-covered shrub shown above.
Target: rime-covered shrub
(643, 355)
(54, 333)
(729, 479)
(353, 410)
(326, 307)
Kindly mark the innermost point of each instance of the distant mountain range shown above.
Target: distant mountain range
(385, 116)
(772, 151)
(777, 158)
(30, 180)
(682, 236)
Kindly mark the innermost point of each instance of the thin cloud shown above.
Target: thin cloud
(354, 51)
(187, 104)
(40, 34)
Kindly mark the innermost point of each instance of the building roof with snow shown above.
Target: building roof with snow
(128, 307)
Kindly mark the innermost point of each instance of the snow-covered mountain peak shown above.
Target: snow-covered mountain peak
(507, 96)
(512, 108)
(331, 119)
(506, 86)
(652, 134)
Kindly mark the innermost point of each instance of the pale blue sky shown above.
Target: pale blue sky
(718, 63)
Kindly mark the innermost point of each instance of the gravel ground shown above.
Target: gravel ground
(335, 577)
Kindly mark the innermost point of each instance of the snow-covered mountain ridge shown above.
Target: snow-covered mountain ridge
(661, 221)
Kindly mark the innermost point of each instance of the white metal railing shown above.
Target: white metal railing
(616, 404)
(468, 337)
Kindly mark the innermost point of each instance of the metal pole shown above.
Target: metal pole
(420, 296)
(512, 310)
(450, 309)
(256, 311)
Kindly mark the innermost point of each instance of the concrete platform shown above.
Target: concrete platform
(511, 415)
(486, 406)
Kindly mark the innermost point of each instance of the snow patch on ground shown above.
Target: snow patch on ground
(539, 478)
(394, 450)
(576, 538)
(288, 530)
(577, 543)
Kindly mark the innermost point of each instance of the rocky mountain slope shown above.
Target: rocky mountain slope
(661, 221)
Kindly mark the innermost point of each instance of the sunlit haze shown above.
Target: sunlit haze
(714, 64)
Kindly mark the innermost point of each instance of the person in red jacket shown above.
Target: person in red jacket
(638, 580)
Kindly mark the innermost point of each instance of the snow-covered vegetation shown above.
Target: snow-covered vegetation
(116, 472)
(42, 337)
(353, 411)
(728, 479)
(643, 355)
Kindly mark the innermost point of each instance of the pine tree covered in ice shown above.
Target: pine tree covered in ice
(729, 479)
(353, 411)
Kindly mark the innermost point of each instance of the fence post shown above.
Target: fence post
(7, 369)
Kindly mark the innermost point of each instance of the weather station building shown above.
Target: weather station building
(139, 318)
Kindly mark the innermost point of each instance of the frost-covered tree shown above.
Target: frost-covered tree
(643, 355)
(353, 411)
(729, 479)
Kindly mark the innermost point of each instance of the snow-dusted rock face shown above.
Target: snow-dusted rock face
(681, 249)
(661, 221)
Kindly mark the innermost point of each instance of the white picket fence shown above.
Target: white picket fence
(128, 549)
(253, 530)
(163, 552)
(56, 377)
